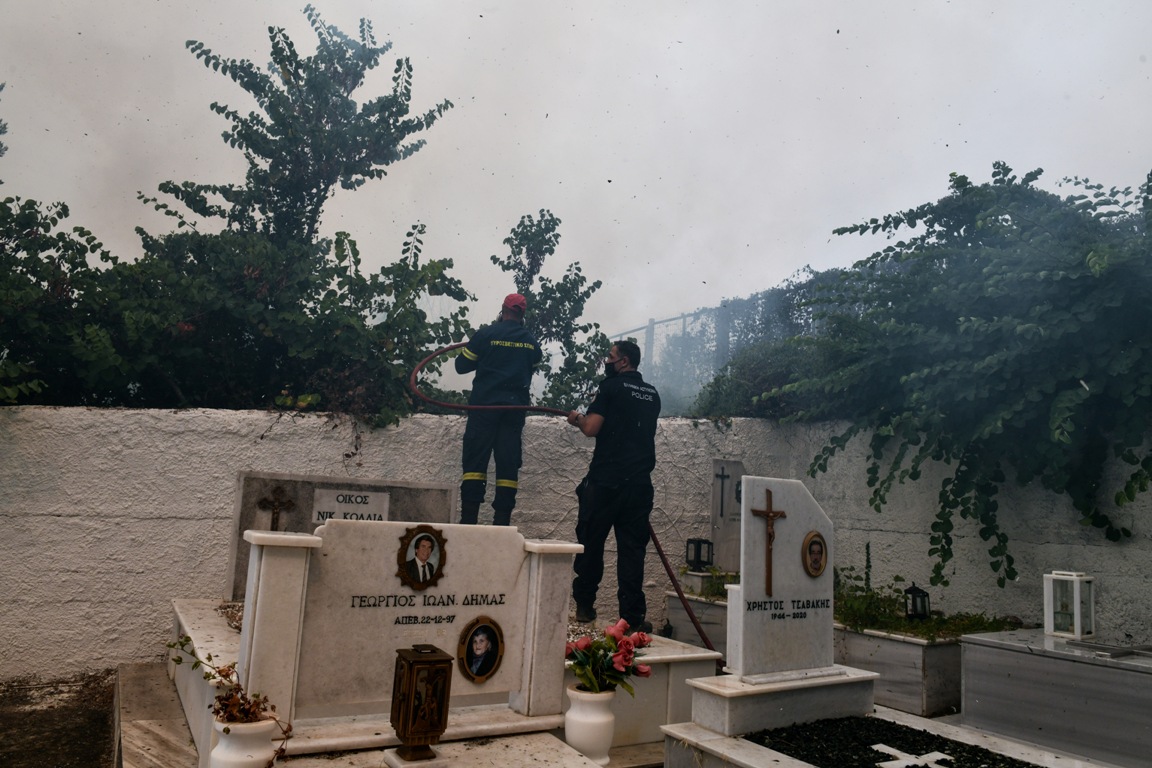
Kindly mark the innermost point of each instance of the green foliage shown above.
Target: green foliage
(715, 587)
(259, 314)
(232, 320)
(1004, 336)
(859, 606)
(310, 133)
(573, 351)
(48, 294)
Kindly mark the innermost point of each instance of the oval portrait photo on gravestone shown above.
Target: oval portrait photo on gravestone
(814, 554)
(421, 557)
(481, 649)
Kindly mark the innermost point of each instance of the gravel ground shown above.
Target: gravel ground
(58, 724)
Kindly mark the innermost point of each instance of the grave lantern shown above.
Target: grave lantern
(698, 554)
(916, 603)
(420, 690)
(1069, 609)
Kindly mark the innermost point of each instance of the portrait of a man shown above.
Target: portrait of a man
(422, 567)
(421, 556)
(814, 554)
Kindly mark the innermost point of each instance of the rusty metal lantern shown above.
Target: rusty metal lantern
(916, 603)
(698, 554)
(420, 692)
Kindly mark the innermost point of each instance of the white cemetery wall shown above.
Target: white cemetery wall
(108, 515)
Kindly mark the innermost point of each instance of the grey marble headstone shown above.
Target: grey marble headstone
(726, 495)
(270, 501)
(780, 615)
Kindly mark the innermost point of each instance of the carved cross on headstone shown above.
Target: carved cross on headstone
(722, 477)
(277, 504)
(770, 516)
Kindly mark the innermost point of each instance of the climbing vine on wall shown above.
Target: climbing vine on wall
(1002, 332)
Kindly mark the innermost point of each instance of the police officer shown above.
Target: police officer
(617, 491)
(503, 355)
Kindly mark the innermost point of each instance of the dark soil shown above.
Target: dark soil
(58, 724)
(847, 743)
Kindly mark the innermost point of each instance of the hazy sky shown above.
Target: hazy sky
(695, 151)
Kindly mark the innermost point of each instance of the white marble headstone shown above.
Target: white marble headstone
(780, 619)
(359, 610)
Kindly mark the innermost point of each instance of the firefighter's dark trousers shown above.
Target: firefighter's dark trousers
(491, 434)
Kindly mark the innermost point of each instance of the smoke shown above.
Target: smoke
(694, 152)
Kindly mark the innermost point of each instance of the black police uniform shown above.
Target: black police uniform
(503, 355)
(617, 492)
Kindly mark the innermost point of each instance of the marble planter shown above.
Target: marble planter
(711, 613)
(1048, 691)
(917, 676)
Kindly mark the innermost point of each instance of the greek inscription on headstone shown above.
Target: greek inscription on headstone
(349, 504)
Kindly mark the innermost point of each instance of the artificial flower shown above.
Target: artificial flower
(604, 662)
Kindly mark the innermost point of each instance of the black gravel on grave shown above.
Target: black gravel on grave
(847, 743)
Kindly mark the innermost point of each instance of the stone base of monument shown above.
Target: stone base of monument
(727, 706)
(393, 760)
(732, 705)
(663, 698)
(211, 634)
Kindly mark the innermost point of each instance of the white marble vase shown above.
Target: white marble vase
(589, 723)
(245, 745)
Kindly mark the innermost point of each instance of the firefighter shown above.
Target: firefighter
(503, 355)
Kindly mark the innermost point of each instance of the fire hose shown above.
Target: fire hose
(412, 385)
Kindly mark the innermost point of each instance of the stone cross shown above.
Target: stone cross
(903, 760)
(277, 504)
(770, 515)
(722, 476)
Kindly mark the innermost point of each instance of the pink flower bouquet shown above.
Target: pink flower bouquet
(602, 663)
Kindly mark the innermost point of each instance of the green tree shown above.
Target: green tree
(310, 133)
(573, 350)
(278, 309)
(47, 291)
(46, 285)
(263, 311)
(1006, 337)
